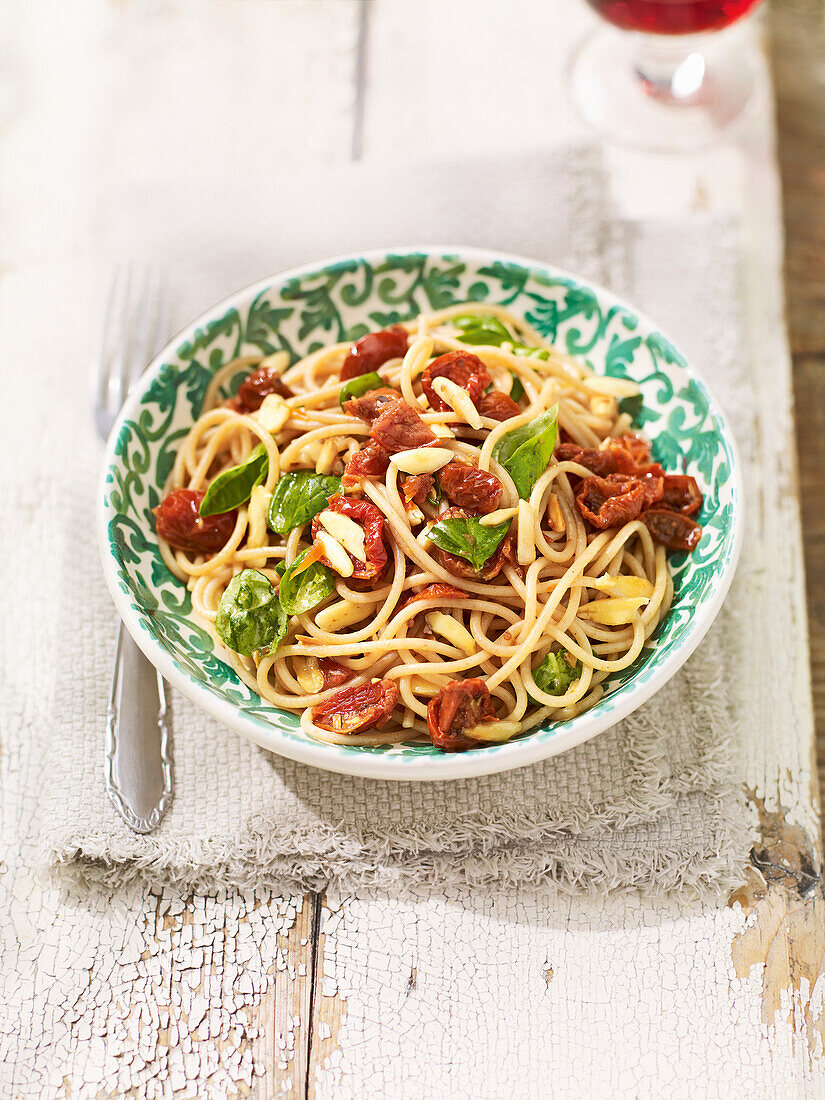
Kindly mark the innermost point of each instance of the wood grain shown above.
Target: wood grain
(797, 45)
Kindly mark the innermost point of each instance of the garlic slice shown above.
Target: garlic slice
(555, 516)
(308, 674)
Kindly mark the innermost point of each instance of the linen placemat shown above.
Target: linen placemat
(649, 803)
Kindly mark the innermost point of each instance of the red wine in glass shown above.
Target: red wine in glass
(672, 16)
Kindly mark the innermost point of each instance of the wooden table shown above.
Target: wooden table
(467, 994)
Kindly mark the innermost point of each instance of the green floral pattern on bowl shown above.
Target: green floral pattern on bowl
(342, 300)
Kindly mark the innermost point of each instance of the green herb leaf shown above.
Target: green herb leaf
(555, 674)
(306, 590)
(465, 537)
(298, 497)
(435, 494)
(250, 615)
(234, 486)
(525, 452)
(528, 352)
(280, 568)
(516, 390)
(485, 329)
(358, 386)
(632, 406)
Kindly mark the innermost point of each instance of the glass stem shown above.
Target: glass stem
(671, 71)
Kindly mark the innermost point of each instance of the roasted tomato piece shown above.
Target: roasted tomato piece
(178, 522)
(470, 488)
(461, 367)
(371, 404)
(357, 708)
(372, 520)
(459, 567)
(653, 482)
(497, 405)
(460, 705)
(610, 501)
(373, 350)
(438, 590)
(682, 494)
(400, 428)
(636, 447)
(673, 529)
(333, 673)
(370, 461)
(255, 387)
(602, 463)
(416, 488)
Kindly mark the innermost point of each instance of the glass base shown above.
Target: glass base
(666, 94)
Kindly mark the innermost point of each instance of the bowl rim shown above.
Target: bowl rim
(514, 754)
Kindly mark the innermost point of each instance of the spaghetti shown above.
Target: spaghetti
(445, 530)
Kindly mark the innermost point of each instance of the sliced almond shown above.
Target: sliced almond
(526, 543)
(327, 455)
(493, 731)
(555, 516)
(458, 400)
(273, 413)
(610, 612)
(341, 614)
(623, 586)
(421, 460)
(452, 631)
(308, 674)
(615, 387)
(346, 531)
(499, 516)
(335, 554)
(414, 513)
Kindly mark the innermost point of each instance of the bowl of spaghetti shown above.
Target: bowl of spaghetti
(420, 513)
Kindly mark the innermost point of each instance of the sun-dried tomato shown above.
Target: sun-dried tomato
(178, 522)
(333, 673)
(460, 705)
(636, 447)
(372, 403)
(371, 461)
(416, 488)
(436, 591)
(682, 494)
(373, 350)
(255, 387)
(459, 567)
(372, 520)
(653, 481)
(672, 529)
(610, 501)
(357, 708)
(470, 488)
(461, 367)
(497, 405)
(601, 463)
(400, 428)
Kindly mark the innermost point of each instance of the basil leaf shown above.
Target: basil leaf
(525, 452)
(632, 406)
(435, 494)
(298, 497)
(306, 590)
(483, 328)
(250, 615)
(555, 674)
(358, 386)
(465, 537)
(516, 390)
(280, 568)
(234, 486)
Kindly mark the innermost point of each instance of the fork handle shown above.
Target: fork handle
(138, 750)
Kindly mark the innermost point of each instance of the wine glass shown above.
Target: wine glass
(671, 78)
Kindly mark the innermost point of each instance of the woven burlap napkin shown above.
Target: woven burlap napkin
(648, 803)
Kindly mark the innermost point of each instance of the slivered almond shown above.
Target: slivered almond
(458, 400)
(273, 413)
(338, 615)
(615, 387)
(421, 460)
(499, 516)
(414, 513)
(308, 674)
(555, 516)
(493, 731)
(452, 631)
(256, 529)
(278, 360)
(610, 612)
(526, 543)
(335, 554)
(327, 455)
(603, 405)
(442, 431)
(623, 586)
(346, 531)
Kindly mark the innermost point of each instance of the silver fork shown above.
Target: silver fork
(138, 763)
